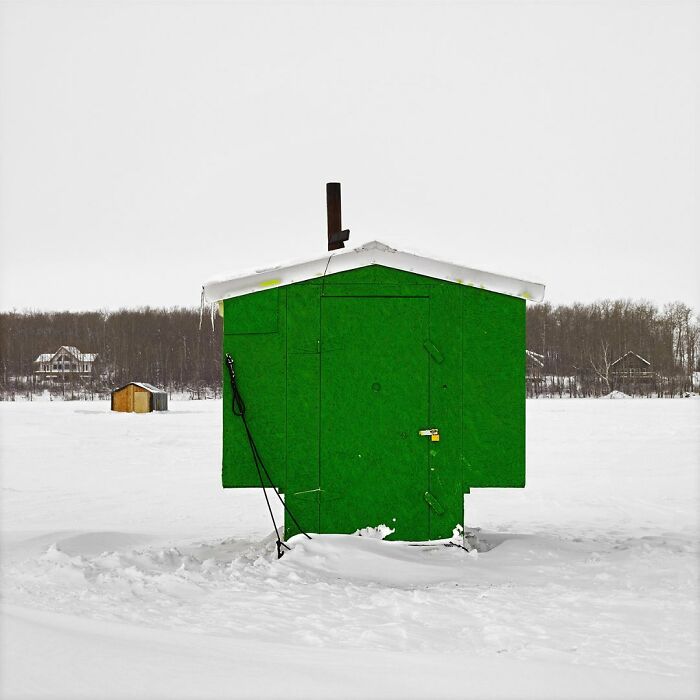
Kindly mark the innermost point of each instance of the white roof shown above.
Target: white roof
(373, 253)
(150, 387)
(629, 352)
(70, 349)
(143, 385)
(535, 357)
(81, 356)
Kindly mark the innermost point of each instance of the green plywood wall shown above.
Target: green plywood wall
(339, 373)
(303, 405)
(258, 347)
(493, 376)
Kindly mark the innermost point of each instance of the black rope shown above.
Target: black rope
(238, 408)
(436, 544)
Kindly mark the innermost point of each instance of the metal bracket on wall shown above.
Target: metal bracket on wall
(433, 503)
(433, 351)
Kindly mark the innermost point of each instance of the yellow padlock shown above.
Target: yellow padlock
(434, 434)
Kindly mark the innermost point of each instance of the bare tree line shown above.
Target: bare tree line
(579, 343)
(175, 349)
(165, 347)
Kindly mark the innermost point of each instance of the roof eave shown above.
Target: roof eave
(373, 253)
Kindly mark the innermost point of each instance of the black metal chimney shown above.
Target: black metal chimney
(336, 236)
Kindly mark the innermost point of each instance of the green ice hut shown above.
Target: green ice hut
(380, 387)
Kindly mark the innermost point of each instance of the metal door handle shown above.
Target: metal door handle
(433, 433)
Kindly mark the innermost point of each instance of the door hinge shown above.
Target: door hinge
(433, 351)
(433, 503)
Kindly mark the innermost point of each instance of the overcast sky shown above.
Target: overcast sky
(148, 146)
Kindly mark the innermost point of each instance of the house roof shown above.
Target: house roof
(72, 350)
(629, 352)
(536, 357)
(80, 356)
(143, 385)
(372, 253)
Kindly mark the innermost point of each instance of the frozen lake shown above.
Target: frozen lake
(129, 572)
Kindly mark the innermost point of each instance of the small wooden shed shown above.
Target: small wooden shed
(139, 397)
(380, 385)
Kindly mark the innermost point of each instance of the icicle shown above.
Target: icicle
(201, 309)
(213, 307)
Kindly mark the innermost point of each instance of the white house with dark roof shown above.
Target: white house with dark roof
(64, 364)
(534, 364)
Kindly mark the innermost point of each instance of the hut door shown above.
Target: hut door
(374, 400)
(142, 402)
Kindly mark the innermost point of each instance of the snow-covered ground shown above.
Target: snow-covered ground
(129, 573)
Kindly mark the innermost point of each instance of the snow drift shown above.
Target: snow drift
(130, 573)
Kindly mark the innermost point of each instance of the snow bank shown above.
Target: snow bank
(110, 660)
(379, 532)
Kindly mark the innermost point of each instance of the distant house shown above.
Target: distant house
(631, 367)
(534, 365)
(139, 397)
(65, 364)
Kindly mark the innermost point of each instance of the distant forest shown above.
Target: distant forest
(572, 349)
(165, 347)
(578, 345)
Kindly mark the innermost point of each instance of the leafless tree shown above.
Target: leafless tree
(170, 348)
(601, 367)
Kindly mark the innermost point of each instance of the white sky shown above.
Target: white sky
(146, 147)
